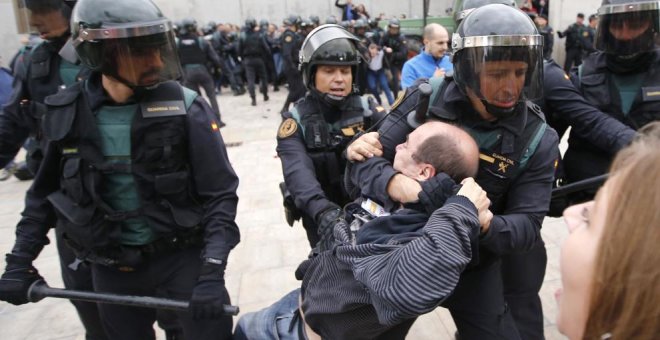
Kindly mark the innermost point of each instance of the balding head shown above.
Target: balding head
(437, 147)
(436, 40)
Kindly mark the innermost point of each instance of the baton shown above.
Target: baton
(39, 290)
(585, 184)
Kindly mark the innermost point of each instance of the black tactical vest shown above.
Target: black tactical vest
(159, 164)
(252, 45)
(191, 52)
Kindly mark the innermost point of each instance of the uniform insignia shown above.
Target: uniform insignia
(399, 99)
(350, 131)
(585, 34)
(214, 126)
(502, 167)
(287, 128)
(288, 38)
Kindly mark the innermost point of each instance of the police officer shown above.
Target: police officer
(253, 48)
(494, 79)
(620, 80)
(588, 35)
(396, 52)
(290, 42)
(223, 47)
(40, 72)
(313, 135)
(548, 34)
(573, 43)
(273, 48)
(195, 53)
(135, 177)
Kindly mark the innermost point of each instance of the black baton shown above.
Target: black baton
(589, 183)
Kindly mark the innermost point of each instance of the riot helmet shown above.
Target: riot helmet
(250, 23)
(129, 40)
(331, 19)
(188, 26)
(292, 20)
(394, 26)
(498, 62)
(469, 5)
(263, 23)
(628, 27)
(315, 20)
(329, 45)
(48, 18)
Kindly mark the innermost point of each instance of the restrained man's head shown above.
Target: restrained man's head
(436, 147)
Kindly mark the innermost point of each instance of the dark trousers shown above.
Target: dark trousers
(80, 278)
(171, 276)
(196, 76)
(573, 58)
(236, 83)
(478, 308)
(522, 276)
(254, 66)
(395, 85)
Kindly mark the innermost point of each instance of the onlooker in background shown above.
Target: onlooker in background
(588, 35)
(5, 92)
(541, 6)
(609, 270)
(528, 7)
(348, 12)
(376, 74)
(573, 43)
(361, 12)
(547, 32)
(433, 61)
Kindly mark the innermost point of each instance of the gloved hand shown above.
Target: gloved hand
(436, 190)
(209, 295)
(17, 279)
(326, 223)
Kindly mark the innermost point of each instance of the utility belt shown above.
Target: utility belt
(128, 258)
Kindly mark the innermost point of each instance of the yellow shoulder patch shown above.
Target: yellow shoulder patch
(287, 128)
(585, 34)
(399, 99)
(288, 38)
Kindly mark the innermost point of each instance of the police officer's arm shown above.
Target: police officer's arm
(586, 121)
(265, 46)
(38, 216)
(300, 176)
(402, 53)
(215, 181)
(287, 49)
(15, 123)
(211, 54)
(519, 227)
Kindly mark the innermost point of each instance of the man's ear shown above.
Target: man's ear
(426, 171)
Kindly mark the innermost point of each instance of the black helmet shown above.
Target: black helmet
(635, 15)
(188, 25)
(328, 45)
(29, 12)
(263, 22)
(360, 23)
(250, 23)
(394, 23)
(306, 23)
(469, 5)
(292, 20)
(315, 20)
(331, 19)
(482, 42)
(111, 35)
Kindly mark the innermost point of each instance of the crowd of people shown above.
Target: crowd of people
(437, 201)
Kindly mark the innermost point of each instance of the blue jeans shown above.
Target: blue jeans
(279, 321)
(375, 78)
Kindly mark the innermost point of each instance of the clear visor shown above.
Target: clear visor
(44, 18)
(142, 61)
(628, 33)
(501, 75)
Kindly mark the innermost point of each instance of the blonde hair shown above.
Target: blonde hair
(625, 299)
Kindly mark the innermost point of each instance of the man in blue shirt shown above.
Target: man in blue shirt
(432, 61)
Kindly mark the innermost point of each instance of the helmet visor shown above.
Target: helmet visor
(142, 61)
(501, 75)
(628, 29)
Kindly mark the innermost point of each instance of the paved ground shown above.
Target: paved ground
(261, 267)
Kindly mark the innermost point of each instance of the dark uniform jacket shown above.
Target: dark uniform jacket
(35, 77)
(399, 48)
(194, 50)
(253, 44)
(179, 165)
(291, 43)
(572, 34)
(597, 86)
(310, 145)
(548, 41)
(519, 202)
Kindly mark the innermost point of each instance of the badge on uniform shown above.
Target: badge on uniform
(651, 93)
(287, 128)
(585, 34)
(288, 38)
(399, 99)
(497, 163)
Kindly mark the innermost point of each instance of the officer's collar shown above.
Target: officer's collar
(96, 94)
(453, 94)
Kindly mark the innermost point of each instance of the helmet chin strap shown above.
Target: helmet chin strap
(503, 113)
(331, 100)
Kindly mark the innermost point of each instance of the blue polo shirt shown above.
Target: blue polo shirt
(423, 65)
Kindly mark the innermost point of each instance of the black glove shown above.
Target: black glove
(436, 190)
(209, 295)
(326, 223)
(17, 279)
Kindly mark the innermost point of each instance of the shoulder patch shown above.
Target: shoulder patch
(399, 99)
(288, 38)
(585, 34)
(287, 128)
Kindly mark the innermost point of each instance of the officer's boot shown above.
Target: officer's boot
(254, 101)
(266, 97)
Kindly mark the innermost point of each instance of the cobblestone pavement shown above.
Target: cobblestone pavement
(261, 267)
